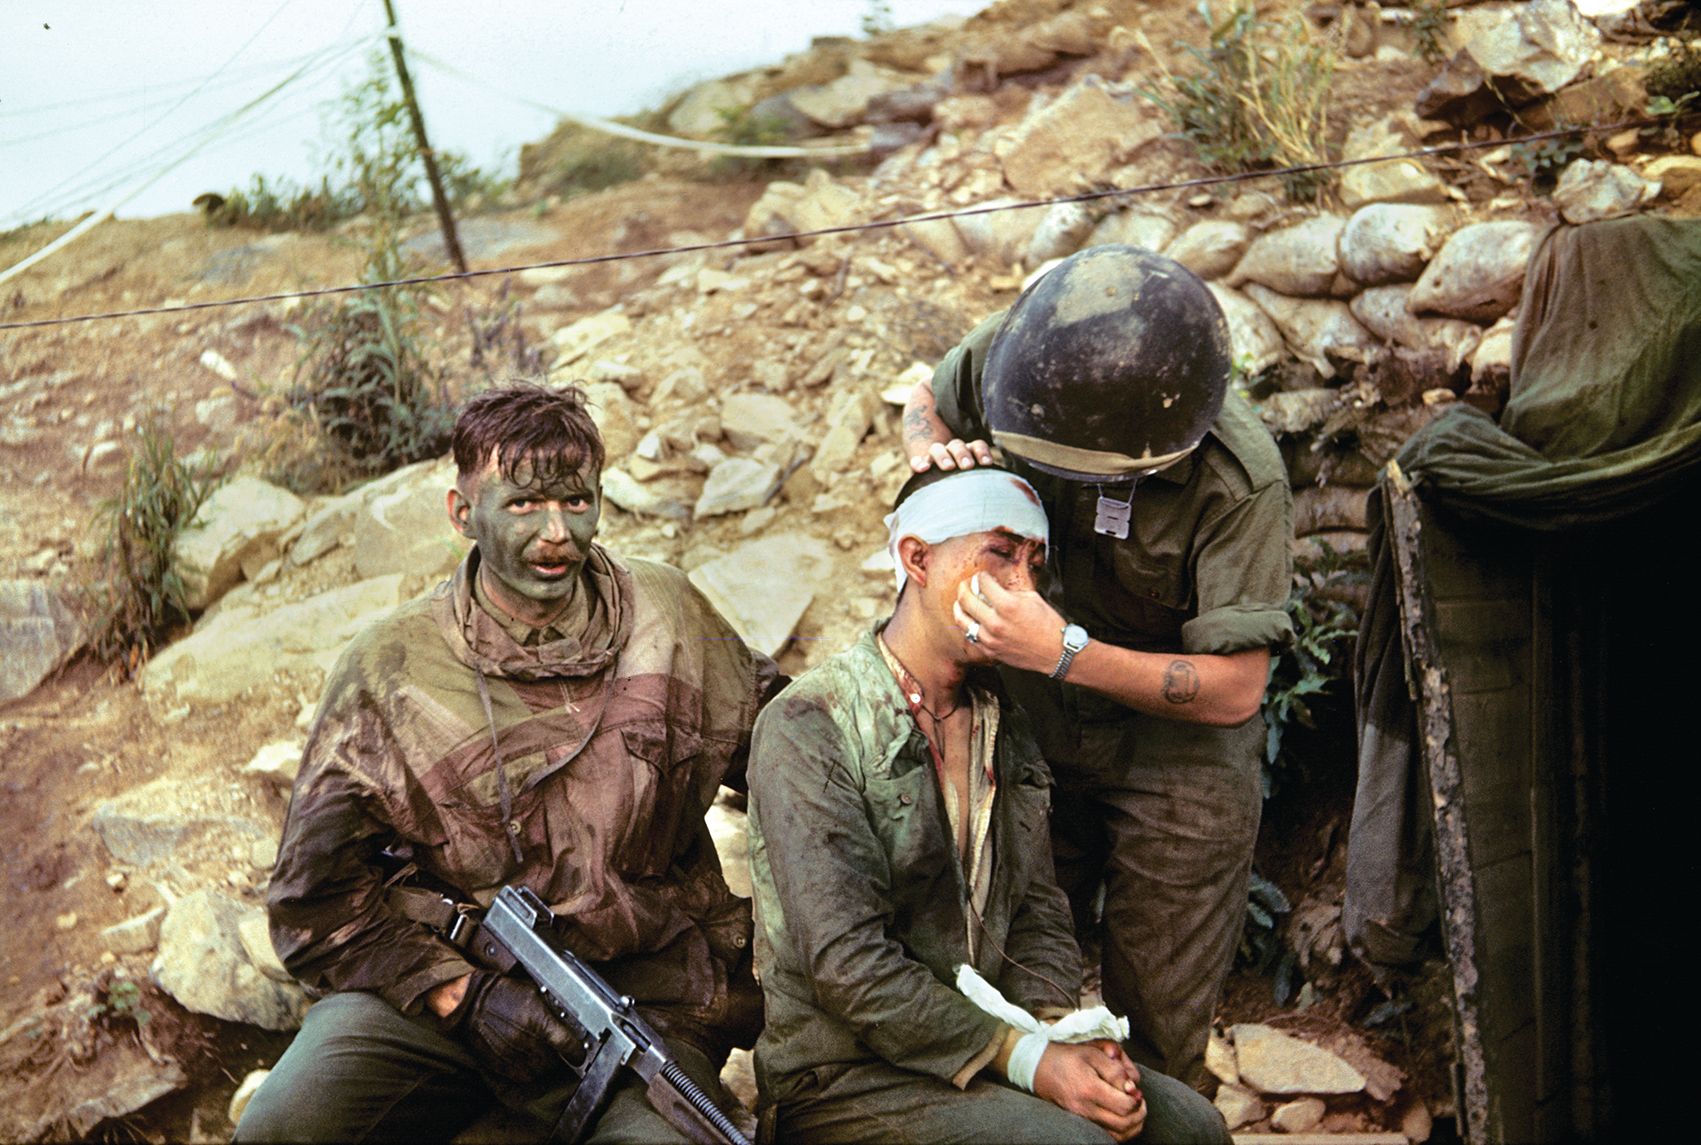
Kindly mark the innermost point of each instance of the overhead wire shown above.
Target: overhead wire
(848, 228)
(56, 188)
(167, 153)
(626, 131)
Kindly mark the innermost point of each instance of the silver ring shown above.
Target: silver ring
(972, 632)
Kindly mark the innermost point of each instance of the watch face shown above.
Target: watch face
(1074, 637)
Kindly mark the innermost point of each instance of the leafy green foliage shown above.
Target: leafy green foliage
(282, 206)
(364, 386)
(500, 348)
(1429, 21)
(1325, 627)
(1261, 945)
(1674, 78)
(1544, 161)
(1258, 98)
(138, 595)
(120, 1000)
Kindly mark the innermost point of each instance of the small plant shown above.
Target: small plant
(743, 127)
(1325, 627)
(281, 206)
(139, 598)
(119, 1001)
(876, 18)
(1259, 99)
(1674, 80)
(468, 185)
(1261, 946)
(1429, 22)
(500, 348)
(1544, 161)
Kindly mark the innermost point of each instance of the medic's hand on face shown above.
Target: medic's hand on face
(1014, 625)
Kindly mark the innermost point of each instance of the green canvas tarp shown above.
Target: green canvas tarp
(1543, 604)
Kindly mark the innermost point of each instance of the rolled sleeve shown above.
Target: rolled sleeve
(956, 382)
(1243, 569)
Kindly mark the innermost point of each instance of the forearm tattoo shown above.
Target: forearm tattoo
(1181, 682)
(918, 421)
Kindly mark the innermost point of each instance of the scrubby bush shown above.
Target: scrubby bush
(137, 595)
(1258, 98)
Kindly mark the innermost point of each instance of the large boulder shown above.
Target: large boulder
(1256, 342)
(1478, 273)
(37, 634)
(202, 963)
(764, 587)
(1210, 248)
(236, 533)
(1391, 242)
(244, 647)
(1298, 260)
(1383, 310)
(1395, 181)
(403, 527)
(158, 821)
(1071, 143)
(1531, 51)
(750, 419)
(1321, 331)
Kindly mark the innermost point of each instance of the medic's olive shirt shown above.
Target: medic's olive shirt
(1205, 569)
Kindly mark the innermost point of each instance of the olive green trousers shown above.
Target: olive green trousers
(360, 1070)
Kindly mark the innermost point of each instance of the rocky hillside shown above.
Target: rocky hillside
(748, 395)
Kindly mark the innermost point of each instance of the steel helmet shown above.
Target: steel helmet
(1113, 364)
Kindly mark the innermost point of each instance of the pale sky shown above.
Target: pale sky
(98, 96)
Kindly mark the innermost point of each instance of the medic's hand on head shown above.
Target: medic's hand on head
(953, 454)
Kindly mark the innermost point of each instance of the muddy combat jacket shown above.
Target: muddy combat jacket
(608, 751)
(861, 905)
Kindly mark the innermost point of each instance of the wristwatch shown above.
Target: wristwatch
(1074, 639)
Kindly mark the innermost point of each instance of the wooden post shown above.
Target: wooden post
(445, 220)
(1438, 752)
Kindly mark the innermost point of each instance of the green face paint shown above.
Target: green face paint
(532, 538)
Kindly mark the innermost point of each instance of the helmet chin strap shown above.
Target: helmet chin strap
(1114, 467)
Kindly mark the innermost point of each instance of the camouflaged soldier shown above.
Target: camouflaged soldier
(1143, 656)
(551, 717)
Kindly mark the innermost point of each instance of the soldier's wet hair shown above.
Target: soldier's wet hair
(538, 434)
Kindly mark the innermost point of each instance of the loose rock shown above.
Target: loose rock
(1478, 274)
(574, 342)
(1272, 1062)
(1238, 1106)
(1300, 1116)
(1298, 260)
(1590, 190)
(237, 529)
(737, 484)
(1210, 248)
(1071, 142)
(404, 527)
(1396, 181)
(201, 963)
(277, 763)
(1390, 242)
(1134, 228)
(38, 633)
(763, 587)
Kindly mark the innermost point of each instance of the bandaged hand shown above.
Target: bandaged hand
(1017, 627)
(1094, 1080)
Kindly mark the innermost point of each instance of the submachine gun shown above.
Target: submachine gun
(519, 927)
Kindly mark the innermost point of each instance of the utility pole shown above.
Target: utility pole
(445, 220)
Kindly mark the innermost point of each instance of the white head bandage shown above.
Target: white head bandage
(973, 501)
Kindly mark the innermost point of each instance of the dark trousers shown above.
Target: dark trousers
(1171, 839)
(879, 1102)
(360, 1070)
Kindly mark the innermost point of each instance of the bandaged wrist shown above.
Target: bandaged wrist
(1024, 1060)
